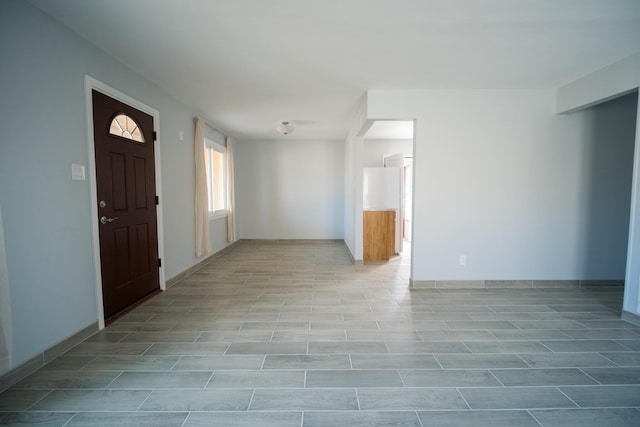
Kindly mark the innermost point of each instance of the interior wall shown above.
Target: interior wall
(289, 189)
(607, 173)
(373, 150)
(47, 218)
(349, 195)
(504, 180)
(353, 187)
(609, 82)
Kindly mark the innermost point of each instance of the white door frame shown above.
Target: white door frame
(394, 159)
(90, 84)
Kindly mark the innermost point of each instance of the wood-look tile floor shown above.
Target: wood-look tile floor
(292, 334)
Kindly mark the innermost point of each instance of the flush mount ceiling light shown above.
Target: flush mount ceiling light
(286, 128)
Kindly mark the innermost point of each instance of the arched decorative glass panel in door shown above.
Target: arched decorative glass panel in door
(125, 127)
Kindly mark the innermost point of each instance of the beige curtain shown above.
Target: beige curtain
(203, 238)
(231, 195)
(5, 309)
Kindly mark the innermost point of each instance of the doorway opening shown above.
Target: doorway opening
(388, 189)
(608, 176)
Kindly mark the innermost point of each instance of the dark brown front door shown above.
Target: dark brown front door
(125, 176)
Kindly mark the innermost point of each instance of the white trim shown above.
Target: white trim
(222, 213)
(89, 84)
(215, 145)
(413, 202)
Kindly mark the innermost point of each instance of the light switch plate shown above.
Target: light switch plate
(77, 172)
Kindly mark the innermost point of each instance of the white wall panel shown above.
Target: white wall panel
(288, 189)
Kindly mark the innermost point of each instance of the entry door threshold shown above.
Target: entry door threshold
(130, 308)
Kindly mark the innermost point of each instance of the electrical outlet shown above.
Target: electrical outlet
(462, 260)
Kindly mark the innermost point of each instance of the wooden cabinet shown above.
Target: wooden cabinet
(379, 235)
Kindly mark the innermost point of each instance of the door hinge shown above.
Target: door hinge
(157, 200)
(155, 135)
(159, 262)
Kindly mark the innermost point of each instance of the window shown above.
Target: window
(215, 164)
(125, 127)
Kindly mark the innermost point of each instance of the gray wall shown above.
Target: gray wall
(353, 193)
(289, 189)
(607, 168)
(523, 192)
(46, 215)
(604, 84)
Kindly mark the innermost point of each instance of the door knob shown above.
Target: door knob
(105, 220)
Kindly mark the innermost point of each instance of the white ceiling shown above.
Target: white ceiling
(249, 64)
(390, 129)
